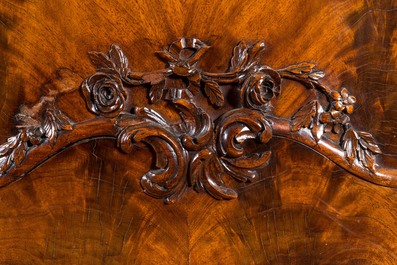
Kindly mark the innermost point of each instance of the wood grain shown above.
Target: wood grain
(85, 205)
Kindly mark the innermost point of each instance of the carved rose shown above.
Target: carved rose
(104, 94)
(260, 88)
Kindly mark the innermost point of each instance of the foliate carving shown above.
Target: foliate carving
(104, 91)
(358, 147)
(167, 180)
(54, 122)
(199, 151)
(14, 151)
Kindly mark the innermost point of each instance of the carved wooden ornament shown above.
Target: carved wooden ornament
(197, 151)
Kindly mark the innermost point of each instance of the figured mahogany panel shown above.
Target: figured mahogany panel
(226, 132)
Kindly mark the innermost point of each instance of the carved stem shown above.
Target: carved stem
(382, 176)
(98, 127)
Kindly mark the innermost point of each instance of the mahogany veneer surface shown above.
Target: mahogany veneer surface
(85, 205)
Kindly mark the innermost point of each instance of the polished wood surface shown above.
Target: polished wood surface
(85, 205)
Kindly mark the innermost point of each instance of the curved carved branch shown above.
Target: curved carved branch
(197, 151)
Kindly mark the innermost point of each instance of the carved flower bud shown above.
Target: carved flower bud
(104, 94)
(260, 88)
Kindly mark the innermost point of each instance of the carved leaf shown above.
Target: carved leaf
(63, 122)
(350, 144)
(214, 93)
(19, 153)
(100, 61)
(50, 127)
(118, 58)
(4, 148)
(150, 115)
(367, 159)
(206, 173)
(196, 125)
(304, 116)
(156, 92)
(300, 68)
(167, 56)
(153, 78)
(305, 70)
(240, 57)
(360, 145)
(317, 126)
(55, 121)
(256, 51)
(309, 117)
(316, 75)
(5, 162)
(166, 180)
(219, 191)
(367, 142)
(13, 141)
(213, 182)
(317, 131)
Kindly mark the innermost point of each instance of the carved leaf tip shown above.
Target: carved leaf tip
(206, 174)
(308, 116)
(156, 92)
(166, 56)
(55, 121)
(304, 71)
(303, 117)
(244, 57)
(367, 141)
(240, 56)
(117, 56)
(13, 152)
(214, 93)
(100, 60)
(316, 75)
(360, 145)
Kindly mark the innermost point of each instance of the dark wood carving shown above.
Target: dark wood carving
(197, 150)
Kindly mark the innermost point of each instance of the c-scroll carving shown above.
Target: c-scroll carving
(200, 151)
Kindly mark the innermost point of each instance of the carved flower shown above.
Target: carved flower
(343, 101)
(260, 88)
(104, 94)
(182, 56)
(334, 120)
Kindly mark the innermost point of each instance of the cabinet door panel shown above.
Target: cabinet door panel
(324, 195)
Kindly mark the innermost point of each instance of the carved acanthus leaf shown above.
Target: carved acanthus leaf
(167, 179)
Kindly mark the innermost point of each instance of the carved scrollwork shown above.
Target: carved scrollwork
(167, 178)
(231, 155)
(199, 151)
